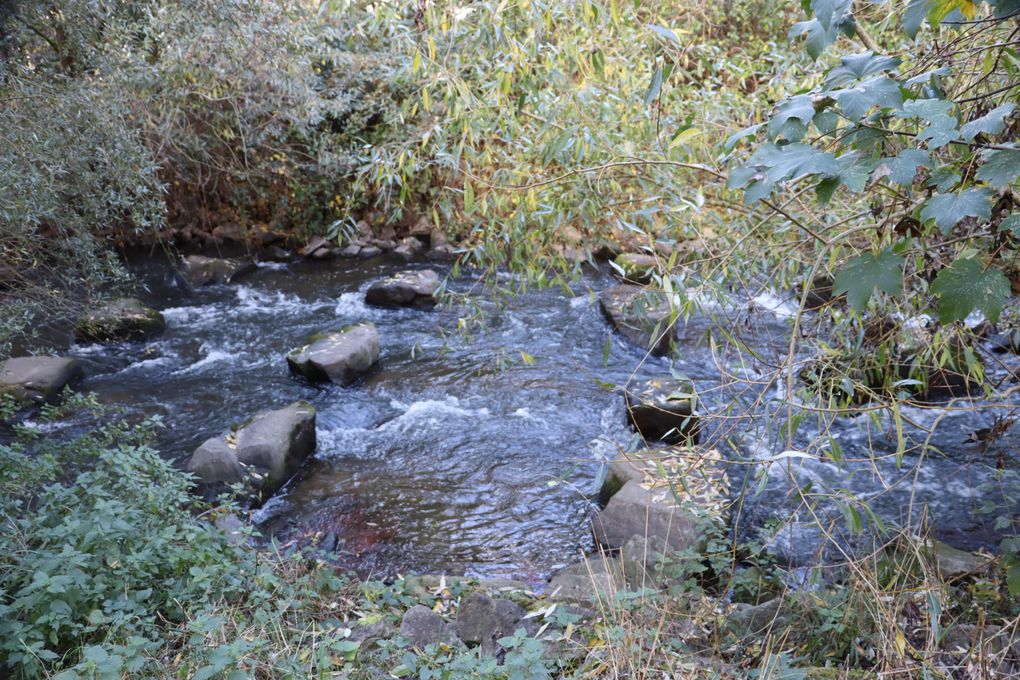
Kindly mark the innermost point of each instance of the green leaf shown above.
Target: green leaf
(830, 12)
(914, 16)
(941, 130)
(1013, 580)
(992, 123)
(965, 286)
(816, 38)
(1001, 167)
(854, 170)
(880, 91)
(733, 139)
(792, 117)
(948, 209)
(654, 87)
(927, 109)
(666, 33)
(903, 168)
(1011, 224)
(855, 67)
(862, 275)
(772, 164)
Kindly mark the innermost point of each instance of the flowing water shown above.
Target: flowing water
(482, 454)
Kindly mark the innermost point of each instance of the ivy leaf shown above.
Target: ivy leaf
(855, 67)
(862, 275)
(926, 109)
(948, 209)
(1011, 224)
(817, 38)
(903, 168)
(914, 16)
(965, 286)
(941, 131)
(772, 164)
(944, 178)
(792, 117)
(880, 91)
(1001, 167)
(854, 170)
(830, 12)
(992, 123)
(733, 139)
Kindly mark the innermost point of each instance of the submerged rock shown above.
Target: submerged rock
(405, 289)
(199, 270)
(338, 356)
(640, 315)
(676, 510)
(122, 319)
(38, 378)
(264, 452)
(664, 409)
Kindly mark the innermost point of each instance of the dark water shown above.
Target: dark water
(479, 454)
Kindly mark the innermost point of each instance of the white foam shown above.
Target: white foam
(213, 356)
(776, 305)
(431, 411)
(353, 304)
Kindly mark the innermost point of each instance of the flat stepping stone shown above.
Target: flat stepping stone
(405, 289)
(121, 319)
(199, 270)
(37, 379)
(640, 315)
(264, 452)
(664, 410)
(338, 356)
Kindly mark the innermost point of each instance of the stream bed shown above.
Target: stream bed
(481, 453)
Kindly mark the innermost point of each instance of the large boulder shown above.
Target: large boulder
(674, 496)
(639, 315)
(121, 319)
(423, 627)
(37, 378)
(664, 409)
(405, 289)
(338, 356)
(264, 452)
(199, 270)
(596, 579)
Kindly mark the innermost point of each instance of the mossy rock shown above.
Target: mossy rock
(121, 319)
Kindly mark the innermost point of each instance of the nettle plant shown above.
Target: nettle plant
(917, 134)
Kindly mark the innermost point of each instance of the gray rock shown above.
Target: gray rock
(314, 246)
(444, 252)
(676, 510)
(121, 319)
(641, 558)
(409, 248)
(952, 563)
(369, 251)
(384, 244)
(595, 580)
(637, 267)
(641, 316)
(339, 356)
(264, 452)
(232, 526)
(664, 409)
(350, 251)
(369, 633)
(405, 289)
(199, 270)
(477, 619)
(275, 253)
(38, 378)
(510, 615)
(423, 627)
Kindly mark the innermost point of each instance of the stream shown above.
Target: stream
(481, 453)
